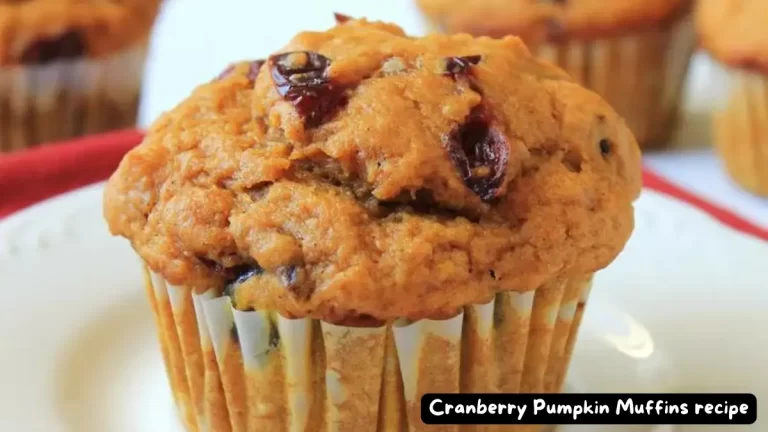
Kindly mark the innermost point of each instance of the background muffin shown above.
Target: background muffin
(735, 33)
(635, 53)
(70, 67)
(365, 217)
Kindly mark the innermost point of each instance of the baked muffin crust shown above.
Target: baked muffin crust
(734, 31)
(535, 20)
(37, 31)
(392, 177)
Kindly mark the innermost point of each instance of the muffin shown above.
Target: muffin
(635, 53)
(734, 32)
(364, 217)
(70, 67)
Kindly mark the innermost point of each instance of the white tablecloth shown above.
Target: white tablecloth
(195, 39)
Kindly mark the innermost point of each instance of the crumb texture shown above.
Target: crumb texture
(364, 174)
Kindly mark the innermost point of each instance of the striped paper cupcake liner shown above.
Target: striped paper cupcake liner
(640, 74)
(252, 371)
(66, 99)
(741, 129)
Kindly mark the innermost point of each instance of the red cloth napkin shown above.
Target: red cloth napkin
(34, 175)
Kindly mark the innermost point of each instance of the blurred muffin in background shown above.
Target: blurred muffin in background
(735, 33)
(70, 67)
(635, 53)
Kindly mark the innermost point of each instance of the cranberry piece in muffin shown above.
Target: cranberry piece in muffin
(459, 66)
(302, 79)
(480, 153)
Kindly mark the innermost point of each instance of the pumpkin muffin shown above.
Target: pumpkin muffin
(734, 32)
(70, 67)
(365, 217)
(635, 53)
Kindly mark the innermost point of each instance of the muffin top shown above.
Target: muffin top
(41, 31)
(361, 174)
(735, 31)
(537, 20)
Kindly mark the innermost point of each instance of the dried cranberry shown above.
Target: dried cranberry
(212, 265)
(302, 79)
(254, 68)
(341, 18)
(292, 278)
(459, 66)
(68, 45)
(244, 272)
(288, 275)
(605, 147)
(238, 275)
(480, 152)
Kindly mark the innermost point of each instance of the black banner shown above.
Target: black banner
(610, 409)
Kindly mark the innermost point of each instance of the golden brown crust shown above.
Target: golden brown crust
(102, 27)
(735, 31)
(366, 213)
(536, 20)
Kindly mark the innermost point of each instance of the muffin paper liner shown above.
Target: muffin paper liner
(641, 74)
(741, 129)
(252, 371)
(66, 99)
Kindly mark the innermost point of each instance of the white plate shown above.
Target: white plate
(682, 309)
